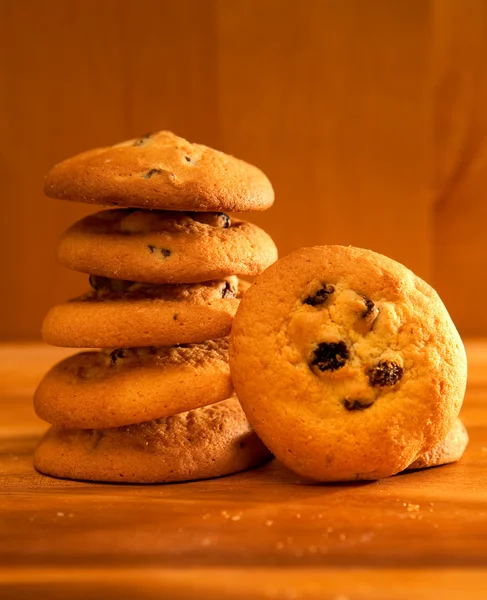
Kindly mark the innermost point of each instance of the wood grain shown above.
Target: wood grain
(368, 117)
(265, 533)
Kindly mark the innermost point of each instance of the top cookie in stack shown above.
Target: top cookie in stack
(164, 270)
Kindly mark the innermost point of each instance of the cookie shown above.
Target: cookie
(95, 390)
(449, 450)
(347, 365)
(206, 442)
(165, 247)
(117, 313)
(163, 171)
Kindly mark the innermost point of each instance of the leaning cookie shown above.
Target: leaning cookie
(161, 171)
(102, 389)
(127, 314)
(165, 247)
(449, 450)
(206, 442)
(347, 365)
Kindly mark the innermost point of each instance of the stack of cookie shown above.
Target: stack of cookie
(155, 403)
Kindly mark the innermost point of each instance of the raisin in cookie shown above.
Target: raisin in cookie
(161, 171)
(165, 247)
(206, 442)
(126, 386)
(346, 363)
(447, 451)
(118, 313)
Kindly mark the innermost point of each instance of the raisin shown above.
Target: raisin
(149, 174)
(116, 355)
(224, 220)
(141, 141)
(164, 251)
(321, 296)
(385, 373)
(330, 356)
(369, 307)
(228, 291)
(356, 404)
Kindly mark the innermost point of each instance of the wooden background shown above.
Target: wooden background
(369, 116)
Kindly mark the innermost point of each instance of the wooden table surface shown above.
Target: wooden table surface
(265, 533)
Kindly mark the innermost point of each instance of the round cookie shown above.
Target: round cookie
(206, 442)
(163, 171)
(95, 390)
(449, 450)
(347, 365)
(165, 247)
(127, 314)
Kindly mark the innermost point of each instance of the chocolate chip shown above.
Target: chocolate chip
(356, 404)
(165, 252)
(321, 296)
(330, 356)
(142, 141)
(149, 174)
(228, 291)
(189, 159)
(385, 373)
(369, 306)
(175, 316)
(151, 248)
(116, 355)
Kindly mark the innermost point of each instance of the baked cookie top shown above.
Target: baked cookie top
(346, 363)
(165, 247)
(161, 170)
(118, 313)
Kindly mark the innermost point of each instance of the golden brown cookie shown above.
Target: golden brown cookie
(165, 247)
(347, 365)
(110, 389)
(206, 442)
(127, 314)
(163, 171)
(449, 450)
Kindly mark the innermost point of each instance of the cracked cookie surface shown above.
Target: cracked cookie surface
(163, 171)
(346, 363)
(206, 442)
(122, 386)
(118, 313)
(165, 247)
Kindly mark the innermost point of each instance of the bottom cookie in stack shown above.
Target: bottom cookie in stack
(205, 442)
